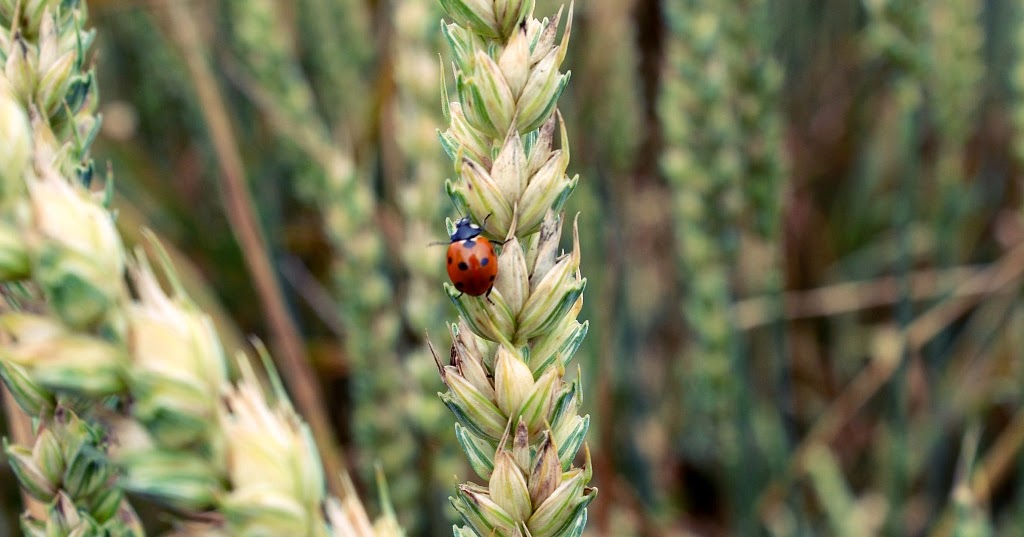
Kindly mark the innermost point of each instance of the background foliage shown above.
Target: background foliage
(867, 162)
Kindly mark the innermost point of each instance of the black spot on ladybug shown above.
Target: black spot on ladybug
(492, 278)
(459, 285)
(485, 261)
(463, 265)
(469, 243)
(449, 260)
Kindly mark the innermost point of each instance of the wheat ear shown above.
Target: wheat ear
(517, 416)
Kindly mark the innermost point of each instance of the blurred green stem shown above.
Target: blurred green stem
(990, 472)
(907, 93)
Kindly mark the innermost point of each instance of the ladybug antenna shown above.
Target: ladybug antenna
(482, 228)
(457, 210)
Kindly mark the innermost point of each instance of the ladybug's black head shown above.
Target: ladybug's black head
(465, 229)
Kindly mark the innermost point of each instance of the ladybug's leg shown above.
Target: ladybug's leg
(488, 295)
(482, 226)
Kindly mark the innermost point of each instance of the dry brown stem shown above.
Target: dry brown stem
(890, 349)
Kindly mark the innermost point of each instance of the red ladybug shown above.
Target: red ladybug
(472, 264)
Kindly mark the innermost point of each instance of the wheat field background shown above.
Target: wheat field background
(801, 226)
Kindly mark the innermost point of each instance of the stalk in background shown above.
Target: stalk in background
(338, 45)
(329, 178)
(419, 171)
(955, 39)
(719, 110)
(1017, 84)
(626, 208)
(848, 515)
(517, 416)
(894, 30)
(758, 102)
(704, 171)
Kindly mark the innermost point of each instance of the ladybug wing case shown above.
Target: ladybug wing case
(472, 266)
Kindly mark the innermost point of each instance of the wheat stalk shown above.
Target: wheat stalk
(329, 178)
(848, 515)
(894, 31)
(955, 39)
(704, 169)
(720, 116)
(1017, 84)
(518, 418)
(338, 49)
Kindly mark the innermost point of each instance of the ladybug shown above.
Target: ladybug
(472, 264)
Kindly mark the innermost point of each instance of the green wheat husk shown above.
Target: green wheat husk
(517, 416)
(63, 241)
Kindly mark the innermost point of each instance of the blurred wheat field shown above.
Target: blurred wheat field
(801, 225)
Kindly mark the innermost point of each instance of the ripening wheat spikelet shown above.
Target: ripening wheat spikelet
(60, 246)
(90, 326)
